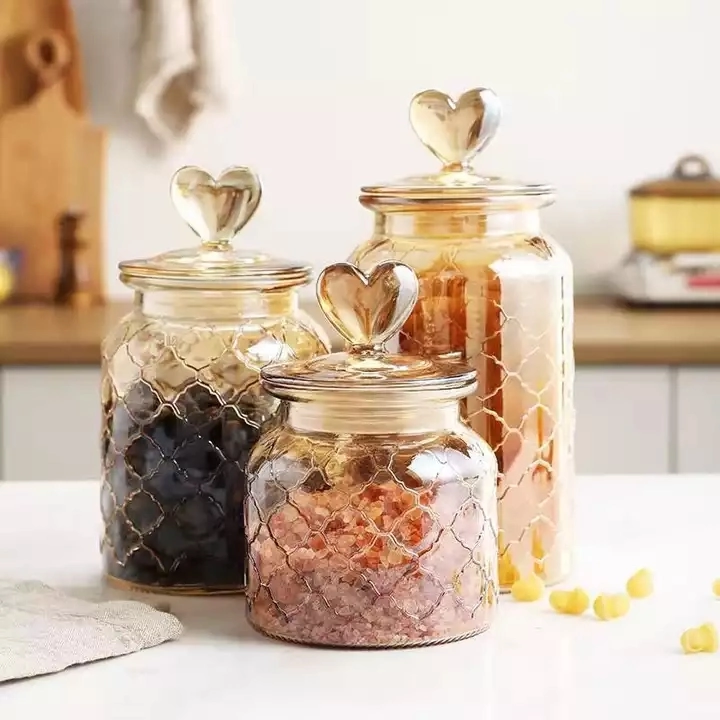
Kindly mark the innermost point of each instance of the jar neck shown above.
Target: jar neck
(345, 418)
(458, 225)
(216, 305)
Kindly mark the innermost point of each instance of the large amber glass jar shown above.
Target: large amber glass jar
(371, 509)
(181, 399)
(495, 292)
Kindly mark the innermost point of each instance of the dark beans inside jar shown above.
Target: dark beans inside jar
(173, 488)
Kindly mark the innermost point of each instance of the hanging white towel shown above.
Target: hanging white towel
(182, 47)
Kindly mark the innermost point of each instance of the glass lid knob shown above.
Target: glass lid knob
(455, 131)
(216, 210)
(367, 310)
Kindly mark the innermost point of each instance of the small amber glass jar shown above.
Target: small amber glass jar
(371, 509)
(181, 398)
(495, 292)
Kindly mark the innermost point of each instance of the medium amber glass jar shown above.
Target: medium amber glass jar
(181, 399)
(371, 509)
(495, 292)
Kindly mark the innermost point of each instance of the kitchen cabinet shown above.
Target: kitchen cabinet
(630, 419)
(50, 422)
(623, 420)
(698, 420)
(647, 388)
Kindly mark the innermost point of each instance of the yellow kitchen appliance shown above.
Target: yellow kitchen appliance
(675, 231)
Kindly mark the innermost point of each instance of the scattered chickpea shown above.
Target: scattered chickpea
(703, 638)
(640, 585)
(611, 607)
(570, 602)
(528, 589)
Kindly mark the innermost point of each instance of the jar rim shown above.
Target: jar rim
(182, 269)
(420, 202)
(468, 192)
(368, 397)
(460, 184)
(347, 373)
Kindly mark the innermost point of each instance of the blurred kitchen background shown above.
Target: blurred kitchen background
(599, 97)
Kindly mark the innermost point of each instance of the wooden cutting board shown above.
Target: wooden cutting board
(18, 20)
(51, 162)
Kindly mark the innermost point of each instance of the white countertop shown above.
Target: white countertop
(531, 665)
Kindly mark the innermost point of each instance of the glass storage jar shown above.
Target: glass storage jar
(497, 293)
(371, 509)
(181, 400)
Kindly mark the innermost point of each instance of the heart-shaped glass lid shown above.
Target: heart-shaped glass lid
(367, 310)
(216, 210)
(455, 131)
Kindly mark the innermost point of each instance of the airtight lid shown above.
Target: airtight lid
(216, 211)
(455, 132)
(367, 310)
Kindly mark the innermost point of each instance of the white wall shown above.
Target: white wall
(598, 94)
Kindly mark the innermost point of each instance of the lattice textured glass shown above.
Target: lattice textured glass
(502, 301)
(371, 540)
(182, 408)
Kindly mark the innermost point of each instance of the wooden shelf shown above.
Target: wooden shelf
(608, 333)
(605, 334)
(49, 335)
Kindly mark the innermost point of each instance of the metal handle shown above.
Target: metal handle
(692, 167)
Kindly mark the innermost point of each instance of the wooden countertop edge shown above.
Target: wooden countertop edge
(647, 356)
(89, 356)
(605, 334)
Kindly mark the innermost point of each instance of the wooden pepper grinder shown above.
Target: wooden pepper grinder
(73, 279)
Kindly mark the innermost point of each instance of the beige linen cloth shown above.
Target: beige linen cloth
(43, 631)
(182, 47)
